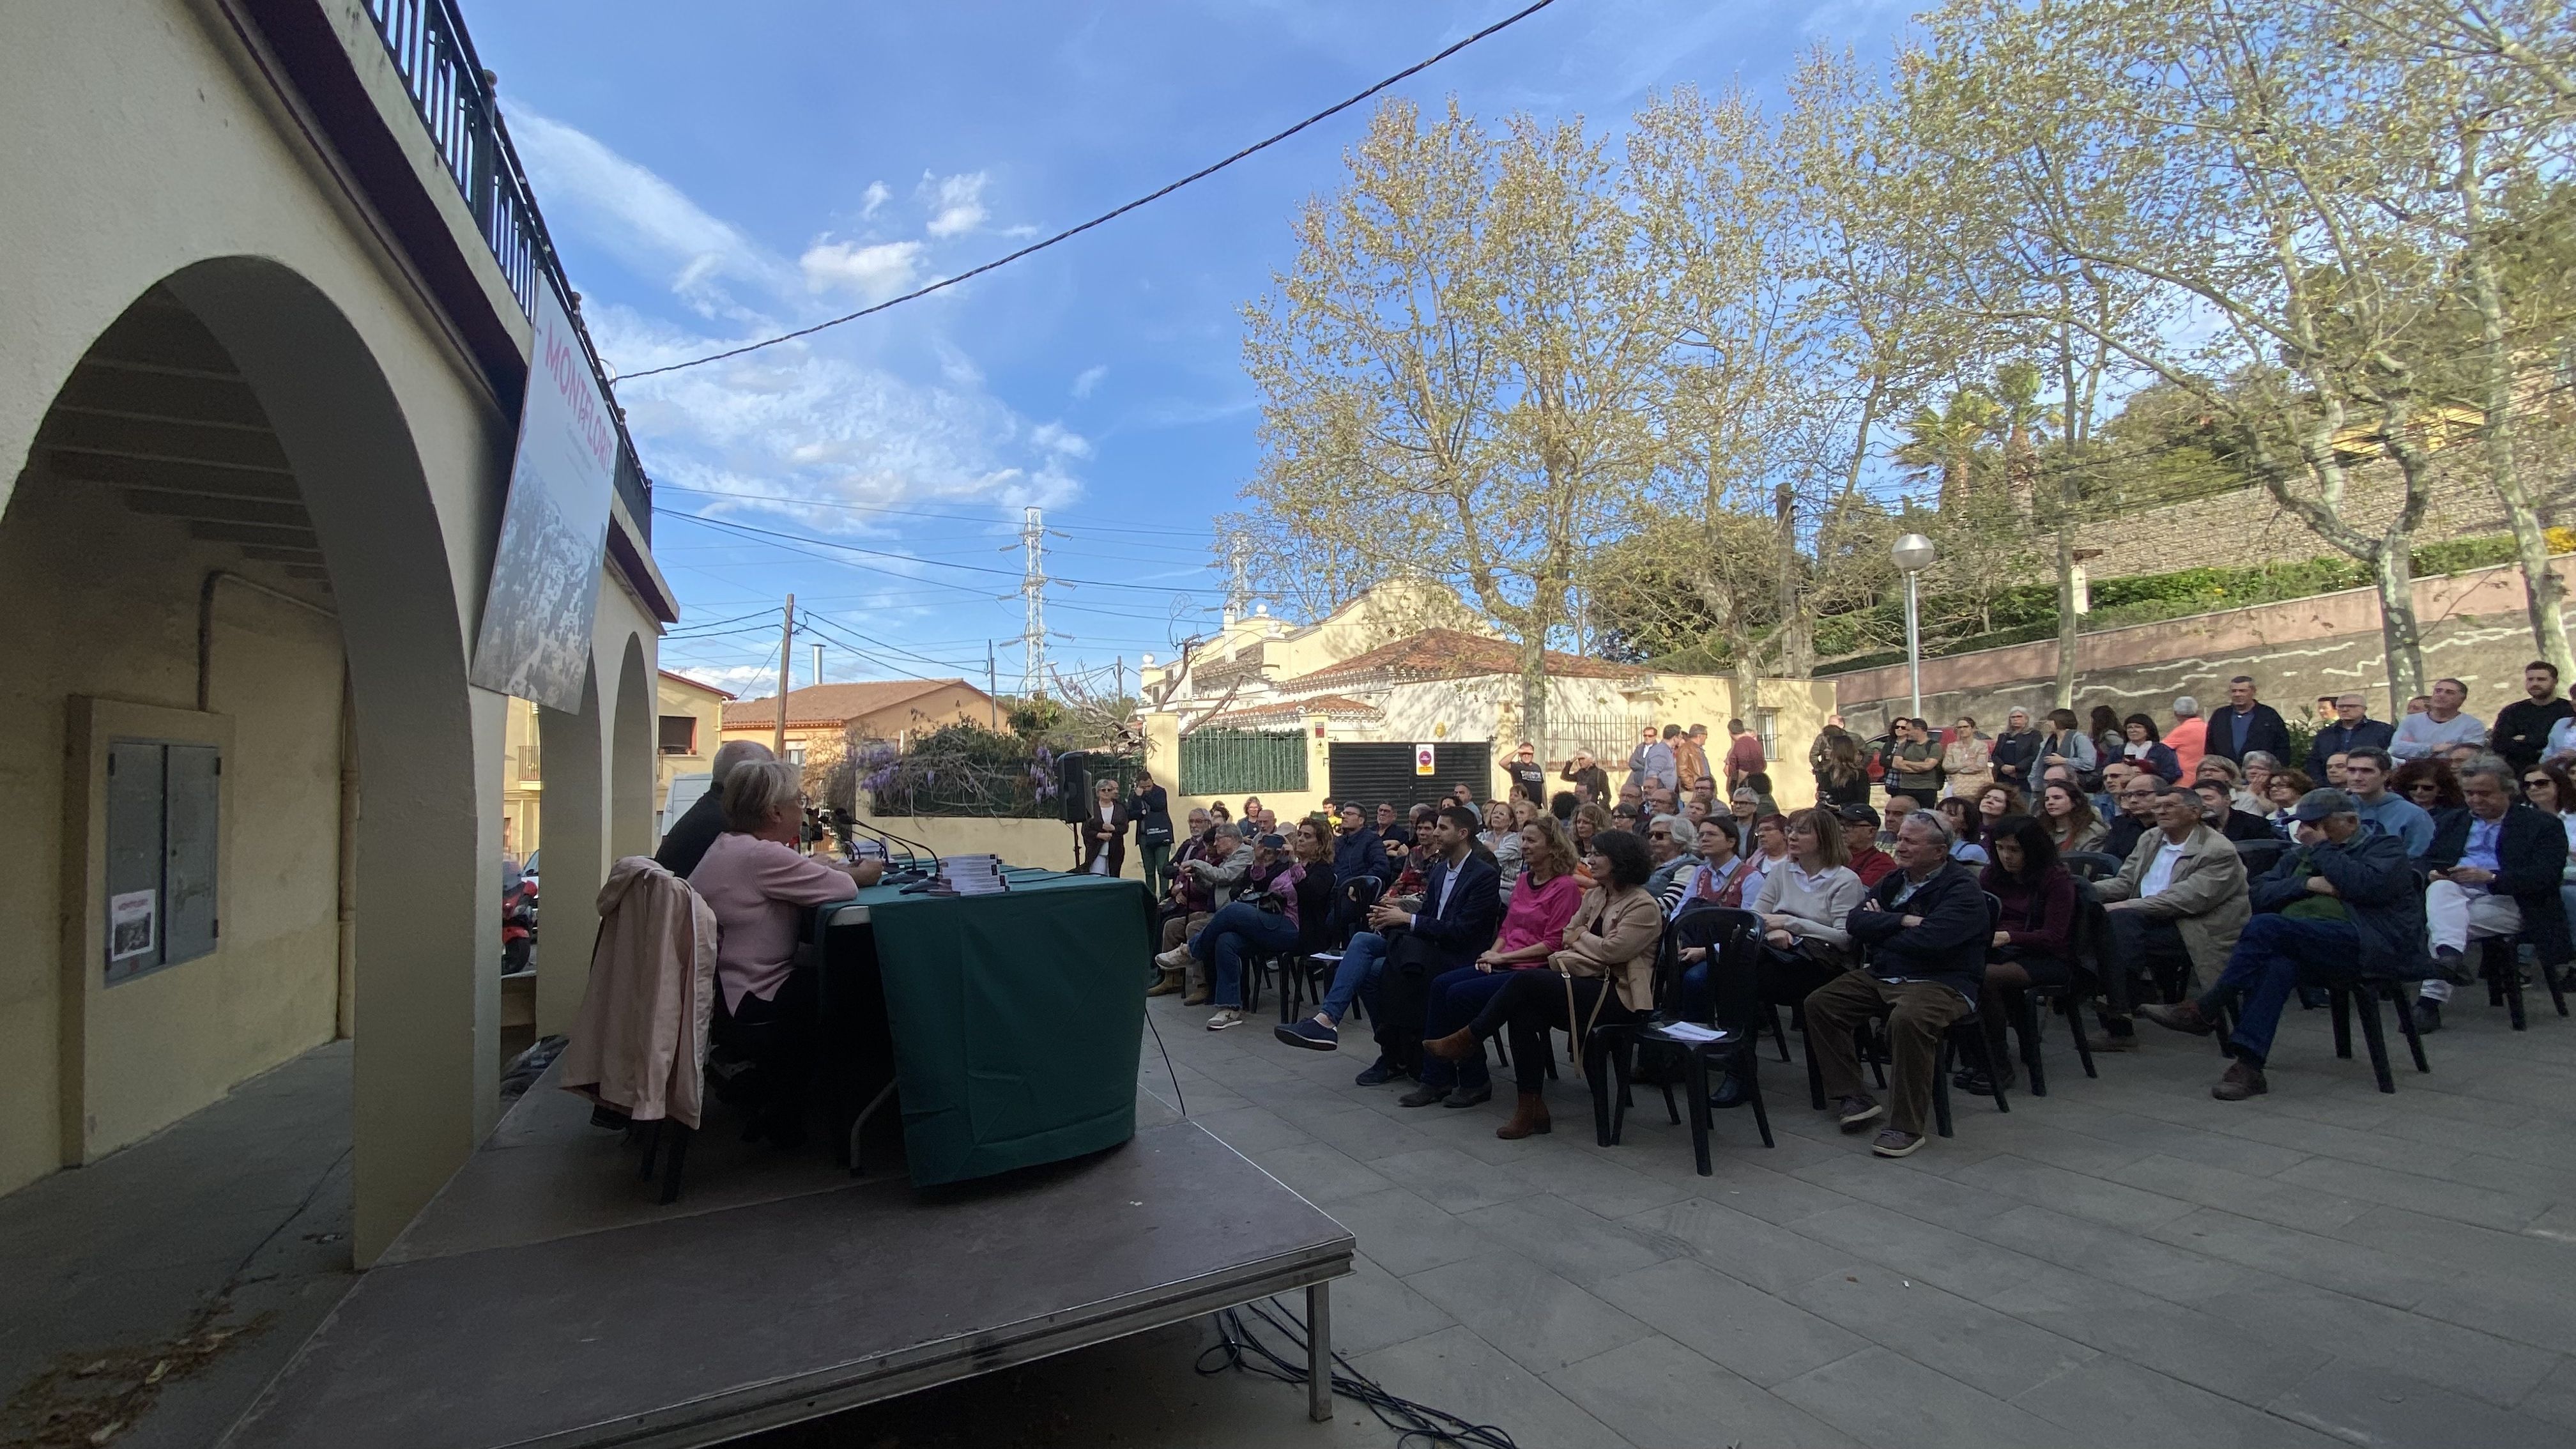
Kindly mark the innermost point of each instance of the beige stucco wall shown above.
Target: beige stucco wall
(700, 703)
(1044, 843)
(143, 142)
(102, 602)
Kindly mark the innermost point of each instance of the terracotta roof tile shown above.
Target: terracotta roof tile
(1450, 654)
(832, 704)
(1295, 709)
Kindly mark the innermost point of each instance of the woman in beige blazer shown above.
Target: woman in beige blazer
(1605, 973)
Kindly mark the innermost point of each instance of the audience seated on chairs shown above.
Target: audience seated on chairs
(1603, 973)
(1800, 908)
(2218, 811)
(2496, 869)
(2136, 797)
(2548, 788)
(758, 885)
(2223, 772)
(1720, 878)
(2033, 940)
(1186, 902)
(1860, 844)
(2433, 786)
(2342, 904)
(2066, 813)
(1262, 917)
(2282, 791)
(2174, 909)
(1501, 838)
(1217, 876)
(1447, 926)
(2366, 774)
(1675, 854)
(1533, 927)
(1924, 934)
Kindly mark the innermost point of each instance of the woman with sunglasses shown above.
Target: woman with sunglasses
(2549, 788)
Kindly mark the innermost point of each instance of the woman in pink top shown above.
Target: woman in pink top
(1533, 925)
(759, 887)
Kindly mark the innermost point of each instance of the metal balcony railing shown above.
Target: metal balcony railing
(455, 98)
(531, 762)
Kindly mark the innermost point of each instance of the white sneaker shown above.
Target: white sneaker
(1176, 959)
(1226, 1018)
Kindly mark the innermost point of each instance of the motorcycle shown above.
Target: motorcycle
(518, 924)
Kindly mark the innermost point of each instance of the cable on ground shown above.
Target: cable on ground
(1413, 1423)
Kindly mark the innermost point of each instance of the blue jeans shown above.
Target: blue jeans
(1362, 960)
(1228, 934)
(2265, 967)
(1456, 997)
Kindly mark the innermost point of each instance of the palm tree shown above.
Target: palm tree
(1944, 444)
(2017, 393)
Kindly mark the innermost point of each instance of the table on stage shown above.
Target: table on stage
(1006, 1025)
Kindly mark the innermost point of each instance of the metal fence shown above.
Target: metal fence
(454, 96)
(1222, 762)
(1608, 736)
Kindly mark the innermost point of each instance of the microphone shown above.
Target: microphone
(928, 852)
(911, 868)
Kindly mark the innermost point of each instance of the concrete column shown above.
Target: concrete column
(576, 855)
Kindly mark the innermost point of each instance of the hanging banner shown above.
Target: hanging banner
(535, 639)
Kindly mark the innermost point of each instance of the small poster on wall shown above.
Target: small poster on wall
(133, 924)
(1422, 759)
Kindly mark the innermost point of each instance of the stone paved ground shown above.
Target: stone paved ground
(2123, 1263)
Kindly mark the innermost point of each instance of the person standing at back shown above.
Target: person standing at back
(2441, 725)
(1690, 758)
(1743, 753)
(2248, 725)
(2522, 728)
(2189, 737)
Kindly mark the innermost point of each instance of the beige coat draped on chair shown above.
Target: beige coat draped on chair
(639, 1042)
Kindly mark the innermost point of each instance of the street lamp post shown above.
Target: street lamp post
(1913, 553)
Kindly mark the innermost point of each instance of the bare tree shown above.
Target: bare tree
(1466, 339)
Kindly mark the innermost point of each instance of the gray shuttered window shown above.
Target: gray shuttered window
(164, 824)
(1375, 774)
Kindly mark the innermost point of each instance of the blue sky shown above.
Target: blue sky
(714, 174)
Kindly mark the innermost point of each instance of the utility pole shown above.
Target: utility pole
(1033, 594)
(818, 663)
(992, 687)
(786, 657)
(1120, 678)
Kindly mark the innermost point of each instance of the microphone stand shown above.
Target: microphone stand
(911, 870)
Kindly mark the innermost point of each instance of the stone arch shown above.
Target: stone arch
(425, 1078)
(575, 803)
(632, 751)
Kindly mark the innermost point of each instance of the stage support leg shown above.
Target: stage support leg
(1319, 1352)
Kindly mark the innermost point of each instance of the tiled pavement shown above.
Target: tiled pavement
(2125, 1262)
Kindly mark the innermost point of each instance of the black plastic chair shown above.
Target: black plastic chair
(2346, 992)
(1967, 1033)
(2500, 962)
(2260, 855)
(1611, 1052)
(2091, 865)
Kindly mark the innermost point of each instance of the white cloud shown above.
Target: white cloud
(1088, 379)
(649, 225)
(874, 197)
(959, 201)
(873, 272)
(1056, 438)
(816, 425)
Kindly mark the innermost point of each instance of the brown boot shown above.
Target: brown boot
(1457, 1046)
(2182, 1017)
(2240, 1082)
(1528, 1117)
(1169, 982)
(1199, 995)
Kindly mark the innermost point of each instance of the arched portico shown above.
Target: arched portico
(630, 770)
(576, 816)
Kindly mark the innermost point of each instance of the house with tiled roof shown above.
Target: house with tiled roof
(1402, 694)
(822, 717)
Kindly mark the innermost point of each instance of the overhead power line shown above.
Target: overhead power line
(1149, 198)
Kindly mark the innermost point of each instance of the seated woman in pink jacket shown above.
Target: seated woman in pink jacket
(759, 885)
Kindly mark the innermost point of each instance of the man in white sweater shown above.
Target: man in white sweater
(2440, 726)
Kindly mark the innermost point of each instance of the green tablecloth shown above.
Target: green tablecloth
(1016, 1017)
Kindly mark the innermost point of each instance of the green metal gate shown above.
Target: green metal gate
(1226, 762)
